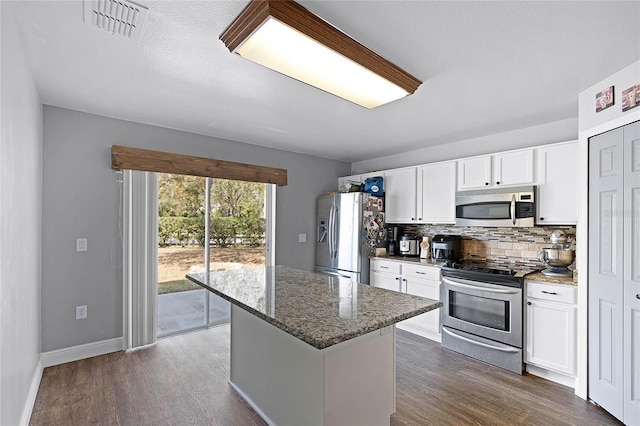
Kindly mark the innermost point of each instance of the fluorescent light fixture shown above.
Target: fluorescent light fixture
(284, 36)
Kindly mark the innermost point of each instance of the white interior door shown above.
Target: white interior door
(632, 274)
(614, 272)
(606, 271)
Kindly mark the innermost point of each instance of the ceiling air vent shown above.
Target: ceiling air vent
(118, 17)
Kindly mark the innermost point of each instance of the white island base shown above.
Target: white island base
(289, 382)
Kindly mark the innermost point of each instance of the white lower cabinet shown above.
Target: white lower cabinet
(550, 331)
(385, 274)
(415, 279)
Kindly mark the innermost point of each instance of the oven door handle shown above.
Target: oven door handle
(484, 345)
(475, 285)
(513, 208)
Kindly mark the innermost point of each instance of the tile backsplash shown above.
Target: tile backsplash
(506, 247)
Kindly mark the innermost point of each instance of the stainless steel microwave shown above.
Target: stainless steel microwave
(504, 207)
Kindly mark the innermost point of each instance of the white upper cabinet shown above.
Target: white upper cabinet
(558, 184)
(437, 193)
(504, 169)
(400, 195)
(426, 193)
(474, 173)
(513, 168)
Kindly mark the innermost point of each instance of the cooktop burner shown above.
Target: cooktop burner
(485, 273)
(485, 270)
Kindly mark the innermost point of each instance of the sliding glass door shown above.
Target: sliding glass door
(206, 223)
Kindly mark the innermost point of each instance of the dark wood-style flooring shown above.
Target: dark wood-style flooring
(183, 380)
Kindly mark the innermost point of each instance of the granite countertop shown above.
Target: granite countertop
(318, 309)
(533, 276)
(537, 276)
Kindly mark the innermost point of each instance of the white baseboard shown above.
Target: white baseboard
(252, 404)
(420, 331)
(75, 353)
(563, 379)
(31, 396)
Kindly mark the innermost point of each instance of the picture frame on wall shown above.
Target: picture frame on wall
(631, 97)
(604, 99)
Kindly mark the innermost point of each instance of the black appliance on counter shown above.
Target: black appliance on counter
(482, 313)
(393, 241)
(446, 247)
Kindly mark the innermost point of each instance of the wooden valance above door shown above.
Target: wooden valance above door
(123, 157)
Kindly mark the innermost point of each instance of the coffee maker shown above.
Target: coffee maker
(446, 247)
(393, 241)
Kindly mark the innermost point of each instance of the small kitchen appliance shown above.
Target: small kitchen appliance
(409, 245)
(424, 248)
(392, 240)
(558, 256)
(446, 247)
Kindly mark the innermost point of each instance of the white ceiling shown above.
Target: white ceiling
(487, 67)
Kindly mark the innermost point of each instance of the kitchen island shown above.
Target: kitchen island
(309, 349)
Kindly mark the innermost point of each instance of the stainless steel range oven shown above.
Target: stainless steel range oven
(482, 314)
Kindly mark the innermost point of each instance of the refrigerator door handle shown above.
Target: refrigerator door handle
(330, 235)
(334, 230)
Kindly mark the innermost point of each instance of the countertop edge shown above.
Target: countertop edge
(325, 343)
(537, 276)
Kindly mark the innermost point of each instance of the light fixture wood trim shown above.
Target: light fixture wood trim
(296, 16)
(123, 157)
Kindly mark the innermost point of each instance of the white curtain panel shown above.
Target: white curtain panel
(140, 251)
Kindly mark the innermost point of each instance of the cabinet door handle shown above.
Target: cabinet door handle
(529, 303)
(404, 279)
(486, 183)
(498, 183)
(397, 278)
(384, 267)
(549, 292)
(421, 273)
(637, 296)
(542, 218)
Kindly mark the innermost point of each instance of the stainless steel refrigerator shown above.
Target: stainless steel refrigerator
(349, 227)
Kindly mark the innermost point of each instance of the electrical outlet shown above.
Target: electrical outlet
(302, 238)
(81, 312)
(81, 244)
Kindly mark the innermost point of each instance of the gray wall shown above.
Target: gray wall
(81, 200)
(622, 80)
(21, 231)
